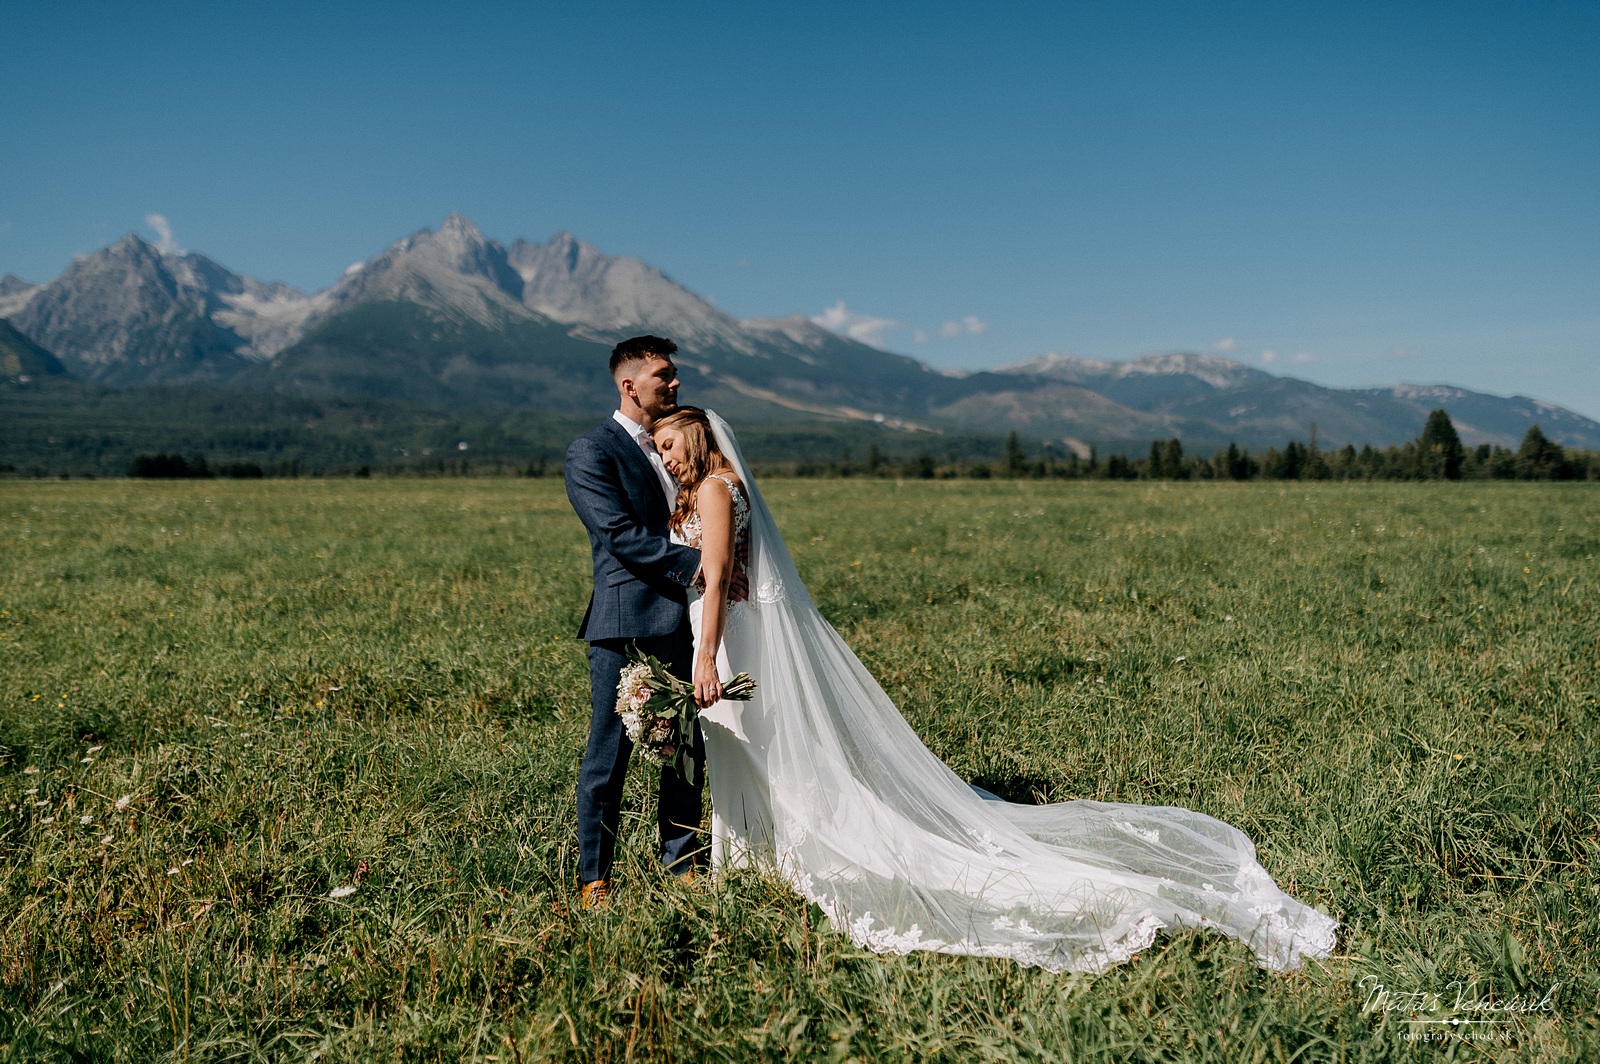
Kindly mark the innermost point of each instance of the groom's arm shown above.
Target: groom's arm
(595, 488)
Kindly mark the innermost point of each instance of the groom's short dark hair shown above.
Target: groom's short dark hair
(639, 348)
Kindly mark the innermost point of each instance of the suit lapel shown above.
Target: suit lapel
(635, 459)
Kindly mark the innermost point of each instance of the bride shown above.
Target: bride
(820, 779)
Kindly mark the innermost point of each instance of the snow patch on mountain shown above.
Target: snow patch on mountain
(1218, 372)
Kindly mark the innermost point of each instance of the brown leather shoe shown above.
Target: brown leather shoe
(592, 895)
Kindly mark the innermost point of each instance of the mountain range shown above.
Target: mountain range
(450, 319)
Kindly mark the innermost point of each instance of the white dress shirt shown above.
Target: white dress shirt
(669, 487)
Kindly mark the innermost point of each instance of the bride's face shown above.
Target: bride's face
(670, 445)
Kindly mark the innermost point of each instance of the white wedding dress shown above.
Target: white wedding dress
(820, 779)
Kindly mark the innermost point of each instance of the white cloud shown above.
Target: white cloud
(921, 336)
(1225, 345)
(971, 325)
(166, 243)
(1404, 352)
(862, 328)
(1269, 357)
(1305, 358)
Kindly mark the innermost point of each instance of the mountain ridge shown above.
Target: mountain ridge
(451, 315)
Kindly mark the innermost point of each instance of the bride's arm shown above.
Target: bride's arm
(715, 506)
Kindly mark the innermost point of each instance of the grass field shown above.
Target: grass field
(226, 704)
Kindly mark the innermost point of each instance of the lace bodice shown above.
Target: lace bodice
(739, 581)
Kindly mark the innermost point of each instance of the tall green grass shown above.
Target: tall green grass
(225, 704)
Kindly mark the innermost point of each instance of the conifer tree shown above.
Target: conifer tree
(1172, 460)
(1439, 450)
(1014, 456)
(1541, 458)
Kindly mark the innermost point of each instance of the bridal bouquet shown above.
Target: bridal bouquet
(658, 711)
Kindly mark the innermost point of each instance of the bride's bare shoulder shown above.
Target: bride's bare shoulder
(718, 486)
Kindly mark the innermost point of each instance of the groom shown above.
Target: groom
(624, 497)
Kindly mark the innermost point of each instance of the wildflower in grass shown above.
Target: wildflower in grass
(85, 818)
(658, 709)
(48, 820)
(30, 771)
(94, 749)
(105, 840)
(172, 871)
(124, 801)
(342, 891)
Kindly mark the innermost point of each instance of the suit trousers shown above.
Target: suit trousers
(605, 763)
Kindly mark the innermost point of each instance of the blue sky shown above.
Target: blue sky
(1353, 193)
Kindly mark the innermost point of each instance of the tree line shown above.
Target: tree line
(1437, 454)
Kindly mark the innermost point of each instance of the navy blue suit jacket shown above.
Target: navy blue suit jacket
(640, 575)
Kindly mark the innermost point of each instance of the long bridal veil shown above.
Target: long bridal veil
(836, 792)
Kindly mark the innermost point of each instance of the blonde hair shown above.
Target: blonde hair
(700, 455)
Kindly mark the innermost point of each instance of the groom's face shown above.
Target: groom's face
(654, 387)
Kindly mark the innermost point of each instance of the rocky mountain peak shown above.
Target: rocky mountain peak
(456, 270)
(131, 252)
(15, 294)
(11, 285)
(127, 313)
(576, 283)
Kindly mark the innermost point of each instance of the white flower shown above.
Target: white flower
(342, 892)
(172, 871)
(1180, 657)
(31, 790)
(105, 840)
(94, 749)
(85, 818)
(30, 771)
(48, 820)
(124, 802)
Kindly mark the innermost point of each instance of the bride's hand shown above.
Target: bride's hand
(707, 687)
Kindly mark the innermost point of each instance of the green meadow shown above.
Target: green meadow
(286, 771)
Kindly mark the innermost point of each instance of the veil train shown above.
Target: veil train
(823, 781)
